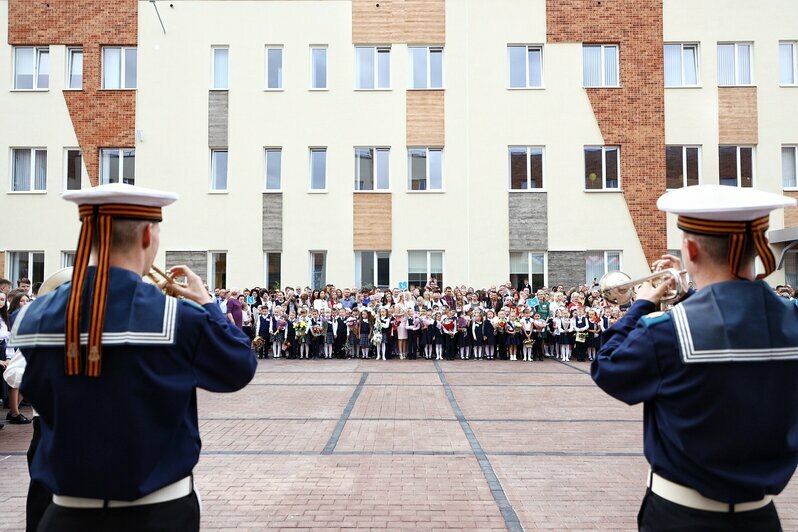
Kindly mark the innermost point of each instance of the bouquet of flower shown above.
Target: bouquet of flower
(301, 328)
(498, 323)
(317, 330)
(462, 322)
(376, 338)
(448, 327)
(281, 325)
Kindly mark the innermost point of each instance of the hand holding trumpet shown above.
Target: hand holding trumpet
(653, 293)
(192, 289)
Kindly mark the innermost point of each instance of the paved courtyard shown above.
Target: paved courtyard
(351, 444)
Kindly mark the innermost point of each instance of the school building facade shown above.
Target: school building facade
(383, 142)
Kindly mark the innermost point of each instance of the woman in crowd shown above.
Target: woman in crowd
(17, 299)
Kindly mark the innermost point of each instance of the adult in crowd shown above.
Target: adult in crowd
(717, 377)
(135, 466)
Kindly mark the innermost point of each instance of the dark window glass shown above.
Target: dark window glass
(593, 173)
(728, 165)
(673, 167)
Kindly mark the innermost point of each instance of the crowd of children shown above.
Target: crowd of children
(427, 323)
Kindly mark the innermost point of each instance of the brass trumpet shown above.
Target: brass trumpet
(65, 274)
(618, 288)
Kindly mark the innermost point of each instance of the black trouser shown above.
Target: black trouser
(179, 515)
(660, 515)
(412, 344)
(338, 346)
(39, 497)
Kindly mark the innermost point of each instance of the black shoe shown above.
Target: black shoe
(19, 419)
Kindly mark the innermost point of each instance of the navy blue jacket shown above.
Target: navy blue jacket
(133, 430)
(717, 376)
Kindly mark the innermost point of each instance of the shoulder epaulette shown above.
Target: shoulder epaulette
(655, 317)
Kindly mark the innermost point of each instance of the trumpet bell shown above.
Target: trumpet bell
(615, 287)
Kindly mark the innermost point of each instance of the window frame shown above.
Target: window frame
(685, 177)
(603, 66)
(214, 48)
(376, 189)
(426, 190)
(32, 178)
(120, 177)
(410, 64)
(211, 269)
(737, 155)
(70, 56)
(682, 46)
(794, 46)
(529, 274)
(226, 188)
(376, 65)
(311, 254)
(326, 49)
(266, 150)
(604, 150)
(65, 258)
(122, 70)
(12, 266)
(376, 257)
(528, 188)
(266, 264)
(794, 148)
(528, 48)
(429, 253)
(311, 150)
(737, 44)
(37, 51)
(280, 47)
(606, 254)
(66, 168)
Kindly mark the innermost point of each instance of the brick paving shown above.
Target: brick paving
(331, 445)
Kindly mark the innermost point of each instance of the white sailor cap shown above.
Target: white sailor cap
(120, 193)
(722, 203)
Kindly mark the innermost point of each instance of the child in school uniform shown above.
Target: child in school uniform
(477, 331)
(365, 328)
(438, 336)
(425, 333)
(329, 334)
(489, 331)
(413, 325)
(462, 336)
(527, 334)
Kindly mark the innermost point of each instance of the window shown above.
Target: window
(318, 169)
(425, 168)
(372, 168)
(221, 65)
(421, 265)
(73, 169)
(372, 269)
(600, 65)
(528, 265)
(598, 263)
(791, 268)
(119, 68)
(28, 169)
(526, 167)
(272, 269)
(373, 67)
(219, 170)
(525, 66)
(274, 168)
(74, 68)
(789, 158)
(734, 64)
(426, 67)
(682, 166)
(318, 74)
(26, 265)
(681, 65)
(67, 259)
(274, 67)
(31, 68)
(736, 166)
(602, 167)
(788, 63)
(118, 165)
(318, 269)
(217, 270)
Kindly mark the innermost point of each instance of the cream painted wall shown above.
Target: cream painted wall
(35, 221)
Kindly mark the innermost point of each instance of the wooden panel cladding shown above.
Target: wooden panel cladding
(2, 264)
(398, 21)
(372, 225)
(425, 118)
(633, 115)
(737, 115)
(791, 214)
(100, 118)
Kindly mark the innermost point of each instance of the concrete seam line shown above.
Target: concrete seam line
(339, 428)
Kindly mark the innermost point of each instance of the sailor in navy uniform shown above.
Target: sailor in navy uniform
(717, 375)
(113, 366)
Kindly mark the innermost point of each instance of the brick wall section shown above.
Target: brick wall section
(196, 260)
(372, 222)
(528, 212)
(398, 21)
(100, 118)
(632, 116)
(2, 264)
(425, 123)
(566, 268)
(791, 215)
(272, 222)
(737, 115)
